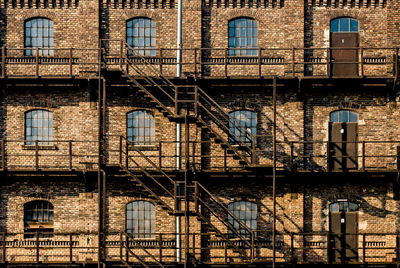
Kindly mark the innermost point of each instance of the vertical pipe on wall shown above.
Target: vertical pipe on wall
(178, 125)
(274, 175)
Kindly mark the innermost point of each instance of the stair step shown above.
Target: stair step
(243, 163)
(236, 157)
(211, 135)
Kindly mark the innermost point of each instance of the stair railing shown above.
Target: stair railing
(200, 192)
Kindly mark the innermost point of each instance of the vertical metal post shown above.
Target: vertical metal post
(195, 62)
(259, 62)
(37, 246)
(160, 154)
(274, 174)
(121, 54)
(100, 178)
(126, 154)
(187, 171)
(37, 154)
(362, 61)
(291, 156)
(4, 247)
(293, 61)
(3, 62)
(161, 61)
(397, 248)
(291, 248)
(120, 150)
(127, 247)
(3, 154)
(398, 158)
(37, 62)
(363, 249)
(70, 61)
(226, 62)
(70, 249)
(160, 246)
(70, 154)
(121, 242)
(328, 62)
(396, 63)
(363, 155)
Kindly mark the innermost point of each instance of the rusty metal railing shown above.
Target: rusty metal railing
(206, 247)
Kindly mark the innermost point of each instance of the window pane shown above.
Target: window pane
(344, 25)
(140, 127)
(242, 124)
(39, 34)
(141, 34)
(353, 26)
(242, 33)
(247, 213)
(39, 125)
(140, 218)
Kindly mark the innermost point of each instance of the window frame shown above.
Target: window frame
(232, 139)
(340, 20)
(336, 116)
(32, 227)
(340, 206)
(146, 50)
(253, 220)
(44, 51)
(152, 220)
(29, 128)
(148, 140)
(243, 44)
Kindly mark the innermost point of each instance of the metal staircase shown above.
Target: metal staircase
(169, 97)
(134, 250)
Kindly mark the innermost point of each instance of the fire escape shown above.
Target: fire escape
(187, 105)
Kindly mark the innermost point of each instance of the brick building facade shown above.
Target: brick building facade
(276, 144)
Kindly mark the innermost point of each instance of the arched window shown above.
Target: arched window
(39, 127)
(242, 33)
(343, 116)
(141, 35)
(140, 127)
(39, 33)
(343, 206)
(247, 213)
(140, 219)
(242, 123)
(344, 25)
(38, 219)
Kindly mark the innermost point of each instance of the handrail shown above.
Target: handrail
(248, 241)
(129, 239)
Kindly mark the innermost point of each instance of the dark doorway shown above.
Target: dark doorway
(343, 232)
(344, 47)
(343, 138)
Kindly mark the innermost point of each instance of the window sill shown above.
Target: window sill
(39, 147)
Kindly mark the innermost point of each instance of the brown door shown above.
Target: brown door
(343, 244)
(342, 52)
(342, 146)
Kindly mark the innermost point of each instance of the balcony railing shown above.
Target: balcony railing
(317, 247)
(202, 155)
(200, 62)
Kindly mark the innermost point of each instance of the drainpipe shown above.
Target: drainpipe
(178, 125)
